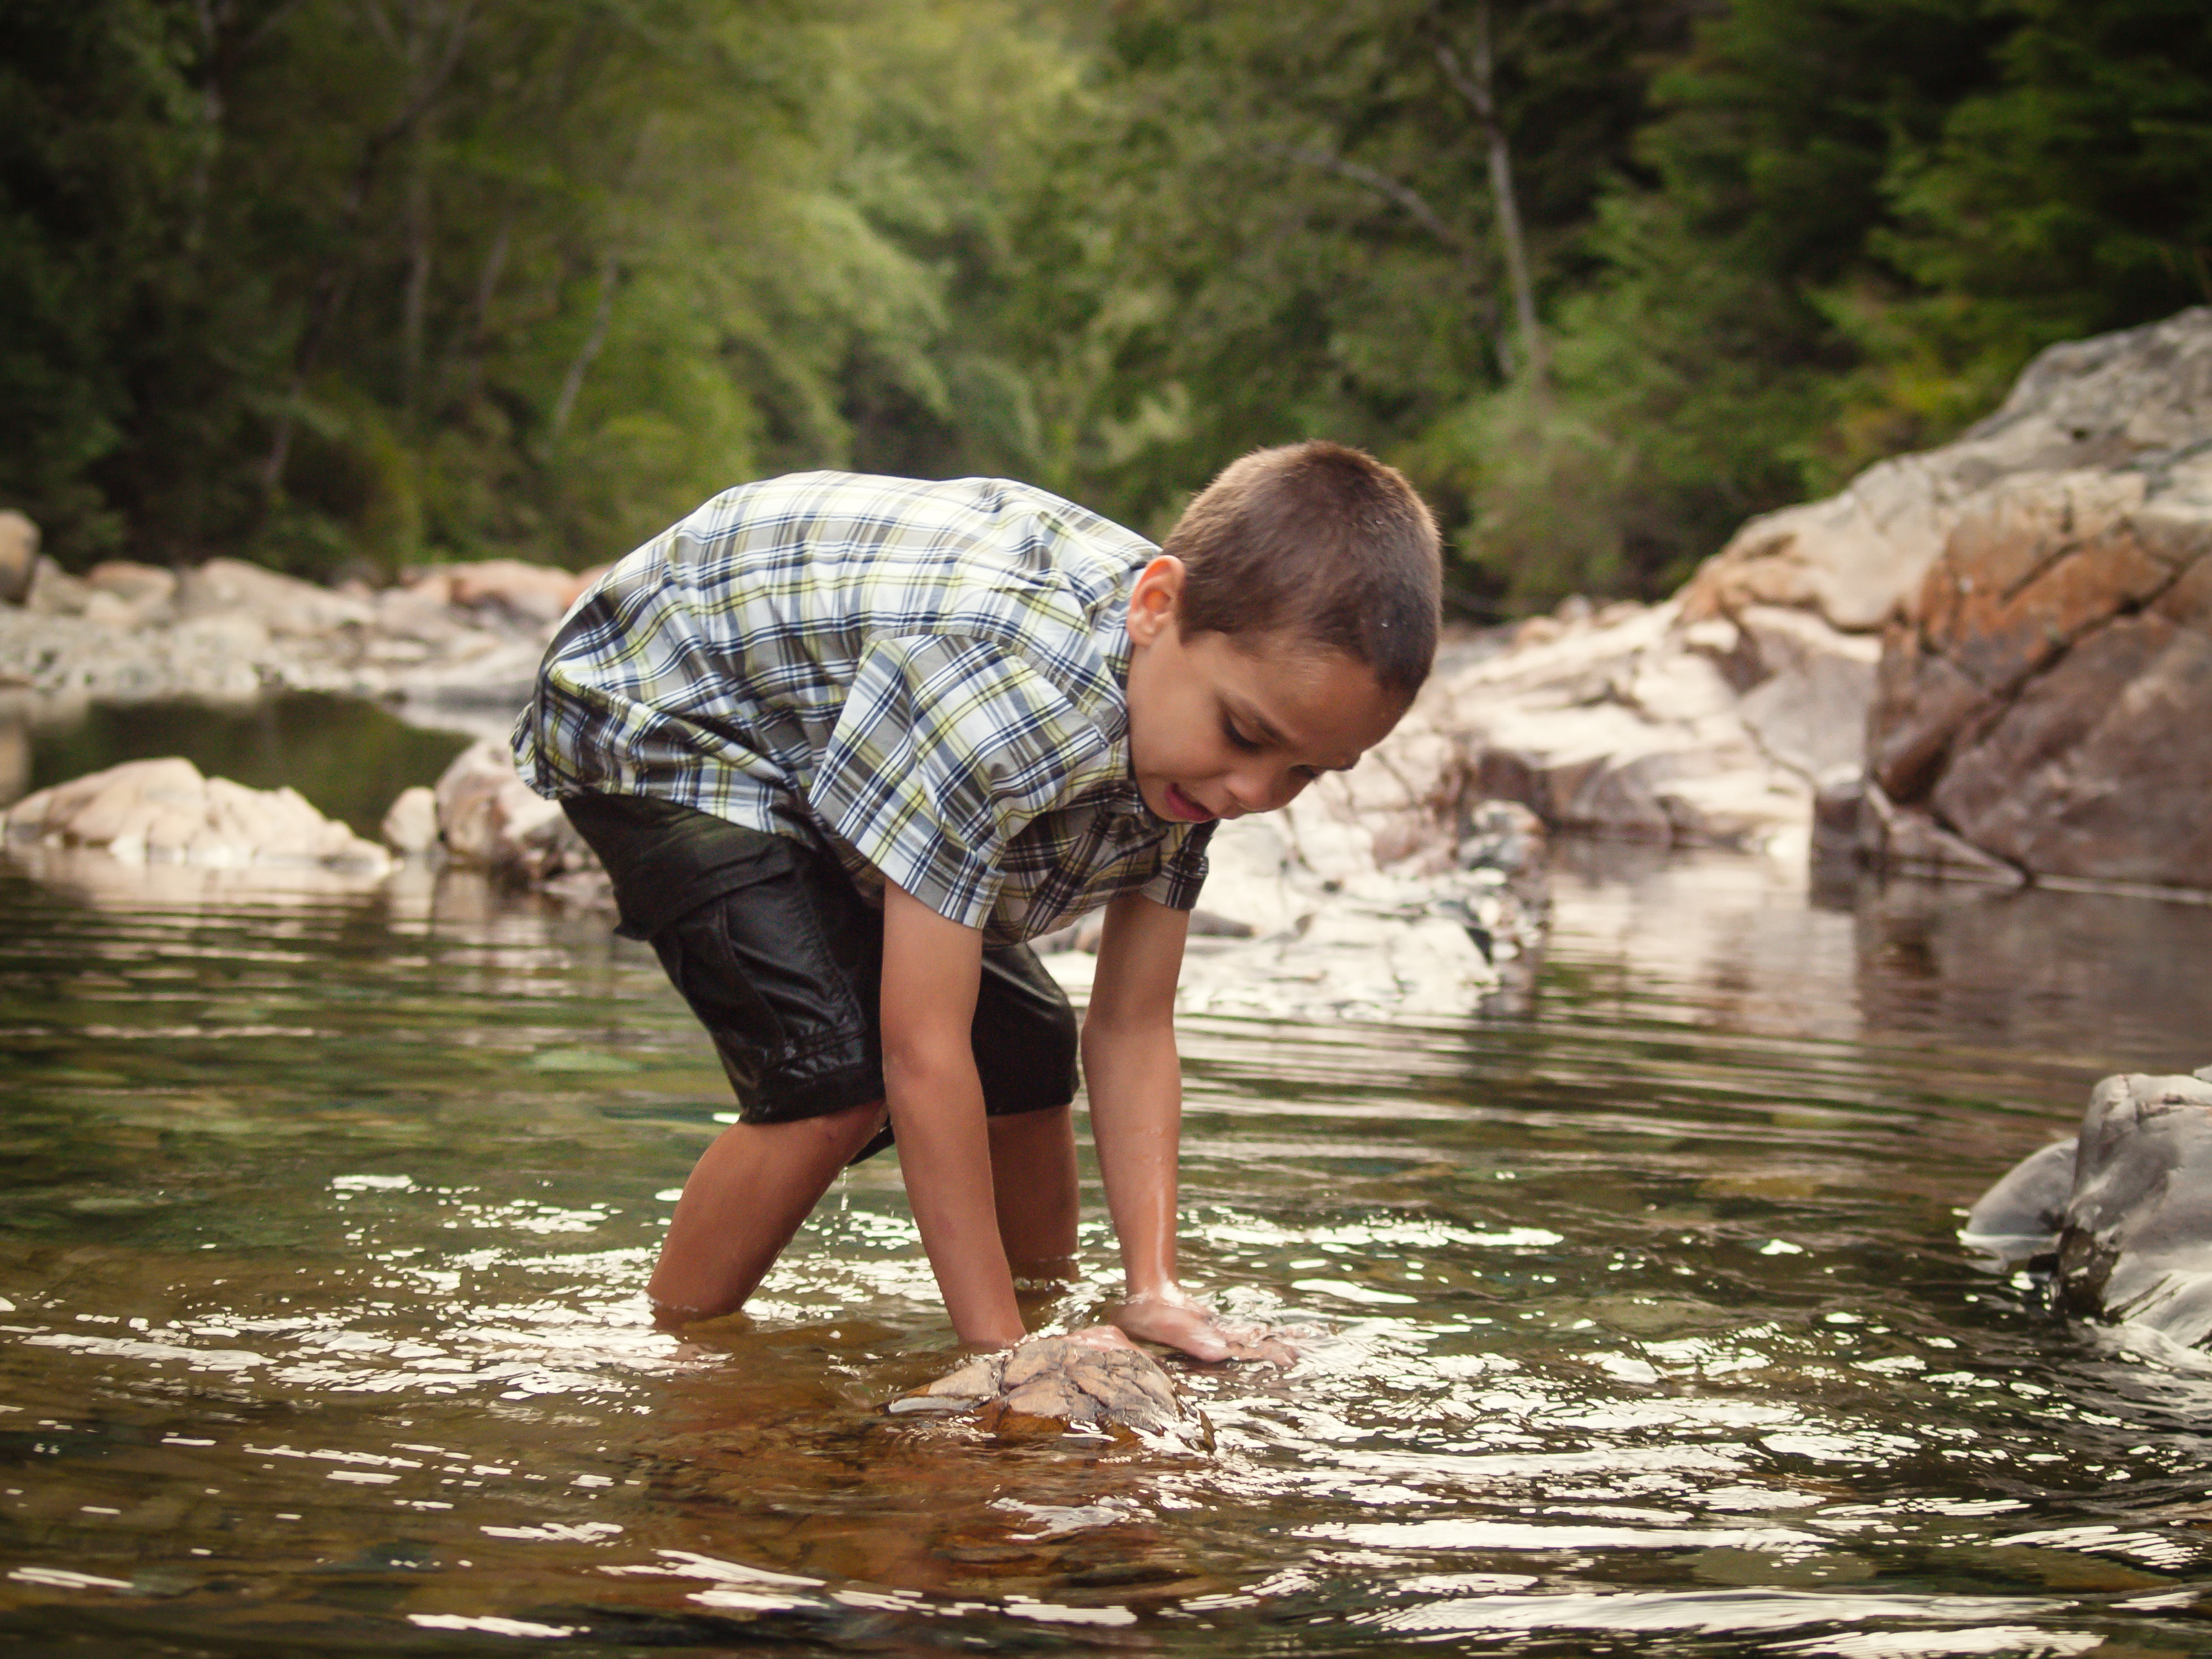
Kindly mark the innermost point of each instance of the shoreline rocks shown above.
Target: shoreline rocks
(164, 811)
(455, 647)
(1990, 661)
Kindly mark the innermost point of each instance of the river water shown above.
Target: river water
(1636, 1320)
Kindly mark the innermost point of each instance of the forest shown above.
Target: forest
(351, 286)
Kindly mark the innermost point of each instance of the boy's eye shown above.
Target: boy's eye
(1237, 739)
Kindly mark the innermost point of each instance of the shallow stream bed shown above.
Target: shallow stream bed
(1639, 1322)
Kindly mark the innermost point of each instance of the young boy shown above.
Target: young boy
(845, 743)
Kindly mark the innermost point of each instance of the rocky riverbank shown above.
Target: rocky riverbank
(454, 647)
(1991, 661)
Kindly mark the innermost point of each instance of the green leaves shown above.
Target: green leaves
(357, 283)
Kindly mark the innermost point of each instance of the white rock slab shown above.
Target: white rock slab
(163, 810)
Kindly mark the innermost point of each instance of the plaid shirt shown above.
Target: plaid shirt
(929, 676)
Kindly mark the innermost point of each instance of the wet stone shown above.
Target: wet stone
(1058, 1384)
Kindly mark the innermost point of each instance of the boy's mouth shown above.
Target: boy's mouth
(1182, 807)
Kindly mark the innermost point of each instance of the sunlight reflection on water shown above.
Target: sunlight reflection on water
(1636, 1318)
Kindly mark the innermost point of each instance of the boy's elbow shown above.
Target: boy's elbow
(926, 1055)
(1119, 1025)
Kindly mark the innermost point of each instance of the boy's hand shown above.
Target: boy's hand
(1175, 1320)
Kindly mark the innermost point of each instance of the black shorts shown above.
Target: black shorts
(775, 949)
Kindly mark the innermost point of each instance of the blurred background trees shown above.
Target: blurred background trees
(348, 285)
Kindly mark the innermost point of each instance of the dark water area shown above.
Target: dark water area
(1639, 1320)
(350, 757)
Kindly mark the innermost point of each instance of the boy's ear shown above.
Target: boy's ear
(1156, 598)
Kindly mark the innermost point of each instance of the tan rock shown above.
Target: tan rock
(164, 810)
(284, 604)
(410, 824)
(1857, 557)
(490, 819)
(19, 556)
(534, 593)
(1053, 1384)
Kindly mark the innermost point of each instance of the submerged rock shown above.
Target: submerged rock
(165, 811)
(2118, 1220)
(1053, 1384)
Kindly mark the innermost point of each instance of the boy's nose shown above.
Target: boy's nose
(1259, 792)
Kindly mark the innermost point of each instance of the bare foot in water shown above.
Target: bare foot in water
(1176, 1320)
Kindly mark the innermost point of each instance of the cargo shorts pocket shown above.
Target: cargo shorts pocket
(781, 971)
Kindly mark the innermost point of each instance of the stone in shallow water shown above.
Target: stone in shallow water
(1051, 1384)
(2120, 1217)
(164, 811)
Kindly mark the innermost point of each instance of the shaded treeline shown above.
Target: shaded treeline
(348, 284)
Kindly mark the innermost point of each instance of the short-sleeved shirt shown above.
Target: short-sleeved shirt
(929, 677)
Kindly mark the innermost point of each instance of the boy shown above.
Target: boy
(844, 744)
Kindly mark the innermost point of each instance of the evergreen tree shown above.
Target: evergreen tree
(2073, 196)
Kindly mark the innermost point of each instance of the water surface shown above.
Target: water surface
(1640, 1323)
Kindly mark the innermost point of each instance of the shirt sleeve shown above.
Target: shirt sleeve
(945, 749)
(1182, 872)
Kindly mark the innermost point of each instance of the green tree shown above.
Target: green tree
(99, 153)
(1702, 366)
(1296, 227)
(2073, 196)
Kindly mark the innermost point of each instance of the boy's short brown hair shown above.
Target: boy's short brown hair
(1322, 543)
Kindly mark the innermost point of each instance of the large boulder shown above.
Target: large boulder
(2049, 701)
(2097, 404)
(2117, 1221)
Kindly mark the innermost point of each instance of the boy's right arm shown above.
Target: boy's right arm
(1134, 1077)
(932, 969)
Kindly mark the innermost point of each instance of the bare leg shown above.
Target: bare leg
(1033, 1179)
(746, 1197)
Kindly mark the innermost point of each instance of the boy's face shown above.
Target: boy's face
(1220, 726)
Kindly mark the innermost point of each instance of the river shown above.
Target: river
(1636, 1321)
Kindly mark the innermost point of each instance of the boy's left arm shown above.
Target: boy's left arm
(1134, 1078)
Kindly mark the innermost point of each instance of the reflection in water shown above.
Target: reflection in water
(1639, 1322)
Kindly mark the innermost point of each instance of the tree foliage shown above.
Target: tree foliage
(350, 284)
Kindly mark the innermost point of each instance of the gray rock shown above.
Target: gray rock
(2120, 1217)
